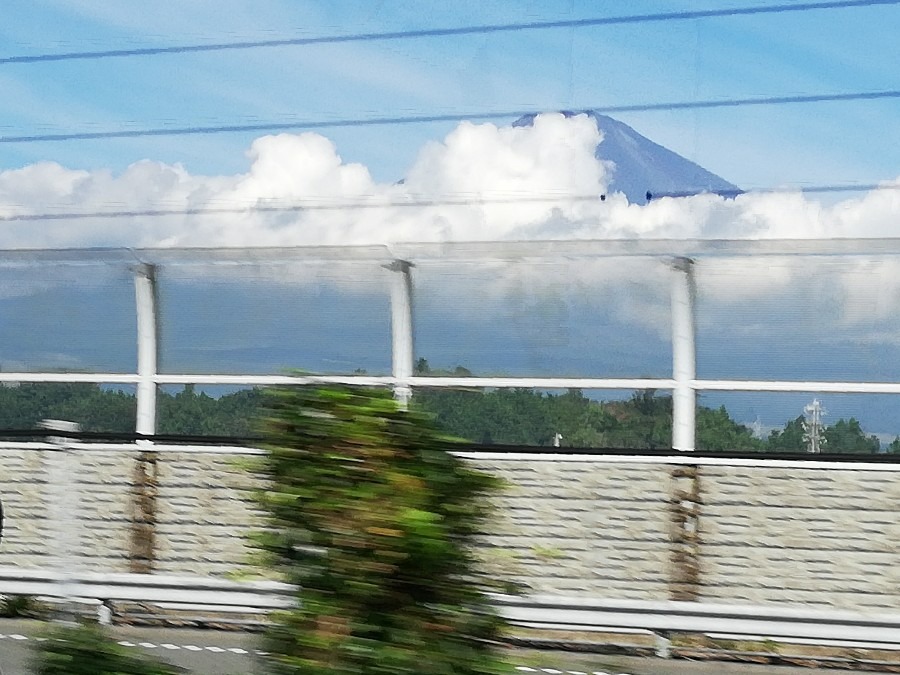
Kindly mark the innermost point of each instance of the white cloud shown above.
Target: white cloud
(501, 166)
(553, 158)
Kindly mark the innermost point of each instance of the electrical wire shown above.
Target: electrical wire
(448, 117)
(448, 32)
(312, 205)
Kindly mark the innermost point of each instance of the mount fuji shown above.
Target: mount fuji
(643, 167)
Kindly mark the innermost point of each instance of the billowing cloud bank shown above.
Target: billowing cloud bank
(495, 179)
(481, 183)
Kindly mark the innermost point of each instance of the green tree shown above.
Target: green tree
(844, 436)
(717, 431)
(789, 439)
(847, 436)
(580, 421)
(642, 422)
(191, 413)
(24, 406)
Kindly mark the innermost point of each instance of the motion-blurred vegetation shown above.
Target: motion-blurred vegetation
(87, 649)
(372, 518)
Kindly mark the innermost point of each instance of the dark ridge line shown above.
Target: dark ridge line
(475, 448)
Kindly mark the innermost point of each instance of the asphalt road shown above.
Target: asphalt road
(233, 653)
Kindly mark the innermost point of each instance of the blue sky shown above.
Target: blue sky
(824, 51)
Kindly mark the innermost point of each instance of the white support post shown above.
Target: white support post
(62, 490)
(684, 358)
(402, 350)
(147, 342)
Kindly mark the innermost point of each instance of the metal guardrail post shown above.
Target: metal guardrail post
(684, 359)
(402, 348)
(147, 347)
(662, 645)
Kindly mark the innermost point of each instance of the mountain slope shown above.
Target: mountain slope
(643, 166)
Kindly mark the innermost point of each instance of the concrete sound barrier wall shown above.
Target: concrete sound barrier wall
(762, 532)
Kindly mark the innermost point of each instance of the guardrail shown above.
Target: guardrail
(590, 614)
(560, 614)
(219, 593)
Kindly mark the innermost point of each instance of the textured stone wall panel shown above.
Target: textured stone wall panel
(205, 512)
(579, 527)
(23, 490)
(821, 537)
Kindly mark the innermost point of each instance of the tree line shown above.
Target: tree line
(493, 416)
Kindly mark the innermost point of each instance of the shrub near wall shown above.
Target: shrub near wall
(373, 519)
(89, 650)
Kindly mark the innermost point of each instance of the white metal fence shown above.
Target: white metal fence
(862, 276)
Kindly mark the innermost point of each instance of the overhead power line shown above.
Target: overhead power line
(448, 32)
(449, 117)
(316, 205)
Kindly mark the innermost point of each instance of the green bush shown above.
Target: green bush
(88, 650)
(373, 519)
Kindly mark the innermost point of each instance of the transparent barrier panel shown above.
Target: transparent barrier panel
(574, 418)
(800, 318)
(784, 422)
(75, 318)
(606, 317)
(107, 408)
(269, 318)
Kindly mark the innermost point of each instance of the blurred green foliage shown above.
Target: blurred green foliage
(87, 650)
(374, 520)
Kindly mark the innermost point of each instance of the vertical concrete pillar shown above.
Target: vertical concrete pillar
(62, 493)
(147, 347)
(402, 348)
(142, 539)
(684, 360)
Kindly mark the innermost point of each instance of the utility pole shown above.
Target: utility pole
(812, 426)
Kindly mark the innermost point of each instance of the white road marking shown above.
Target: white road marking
(238, 650)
